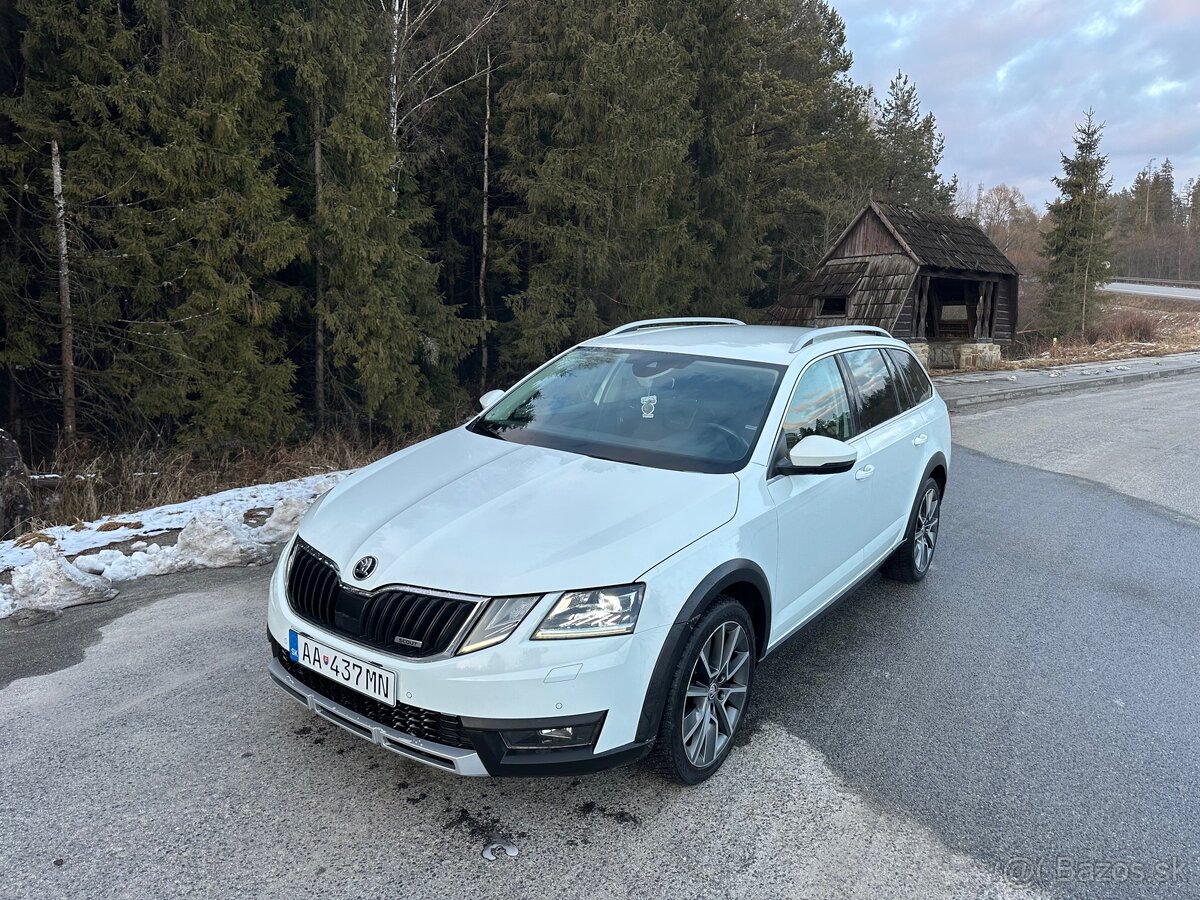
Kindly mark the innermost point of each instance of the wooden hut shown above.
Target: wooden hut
(928, 278)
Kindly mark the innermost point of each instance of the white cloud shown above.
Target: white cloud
(1099, 26)
(1008, 81)
(1162, 86)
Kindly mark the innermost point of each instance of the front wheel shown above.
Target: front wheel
(709, 694)
(910, 561)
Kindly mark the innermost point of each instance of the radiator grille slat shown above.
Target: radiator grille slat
(401, 622)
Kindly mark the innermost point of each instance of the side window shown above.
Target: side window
(912, 374)
(876, 386)
(820, 405)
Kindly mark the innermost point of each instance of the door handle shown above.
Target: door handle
(864, 473)
(920, 439)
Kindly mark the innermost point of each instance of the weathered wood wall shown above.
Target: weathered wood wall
(869, 237)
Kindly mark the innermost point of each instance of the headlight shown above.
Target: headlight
(502, 615)
(593, 613)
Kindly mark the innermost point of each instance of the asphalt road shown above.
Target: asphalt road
(1026, 722)
(1153, 290)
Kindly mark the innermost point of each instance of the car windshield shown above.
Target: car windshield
(667, 410)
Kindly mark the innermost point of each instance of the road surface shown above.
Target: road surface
(1153, 290)
(1025, 723)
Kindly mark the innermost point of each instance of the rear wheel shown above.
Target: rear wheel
(910, 561)
(708, 696)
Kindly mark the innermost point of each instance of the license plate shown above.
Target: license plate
(353, 673)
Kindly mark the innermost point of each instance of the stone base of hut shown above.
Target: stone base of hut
(957, 354)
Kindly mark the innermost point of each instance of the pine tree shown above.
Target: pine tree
(219, 232)
(19, 345)
(800, 97)
(51, 122)
(911, 148)
(598, 124)
(173, 223)
(1077, 249)
(380, 334)
(727, 222)
(450, 174)
(1162, 195)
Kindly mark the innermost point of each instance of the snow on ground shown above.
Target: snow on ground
(212, 533)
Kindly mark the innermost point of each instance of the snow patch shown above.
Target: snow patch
(210, 542)
(50, 582)
(117, 566)
(212, 534)
(284, 520)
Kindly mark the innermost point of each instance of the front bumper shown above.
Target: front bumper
(479, 747)
(443, 756)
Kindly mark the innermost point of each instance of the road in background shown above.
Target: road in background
(1153, 290)
(1026, 722)
(973, 389)
(1142, 440)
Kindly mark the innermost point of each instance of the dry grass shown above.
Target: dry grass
(91, 486)
(1130, 326)
(33, 538)
(1134, 325)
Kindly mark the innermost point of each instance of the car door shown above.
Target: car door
(821, 525)
(890, 426)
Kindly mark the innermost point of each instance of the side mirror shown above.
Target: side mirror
(818, 455)
(488, 400)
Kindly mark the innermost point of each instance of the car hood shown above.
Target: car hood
(472, 514)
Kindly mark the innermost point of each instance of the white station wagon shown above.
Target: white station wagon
(589, 571)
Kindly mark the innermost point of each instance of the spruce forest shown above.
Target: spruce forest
(230, 224)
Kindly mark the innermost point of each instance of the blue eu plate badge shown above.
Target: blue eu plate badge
(294, 646)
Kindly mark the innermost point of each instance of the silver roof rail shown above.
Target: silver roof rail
(670, 323)
(835, 331)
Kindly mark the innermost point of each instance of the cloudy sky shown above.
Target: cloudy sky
(1007, 79)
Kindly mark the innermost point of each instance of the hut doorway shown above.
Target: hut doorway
(956, 308)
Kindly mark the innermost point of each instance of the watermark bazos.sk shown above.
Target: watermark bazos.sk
(1026, 869)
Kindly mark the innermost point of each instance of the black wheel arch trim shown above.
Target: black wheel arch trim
(732, 572)
(934, 462)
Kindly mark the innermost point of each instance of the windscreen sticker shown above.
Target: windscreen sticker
(648, 406)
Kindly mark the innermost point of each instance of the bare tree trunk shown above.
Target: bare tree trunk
(165, 30)
(319, 306)
(483, 254)
(394, 72)
(1087, 266)
(64, 299)
(1146, 220)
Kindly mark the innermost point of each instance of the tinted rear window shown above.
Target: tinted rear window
(876, 387)
(911, 373)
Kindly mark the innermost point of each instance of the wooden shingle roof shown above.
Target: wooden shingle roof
(838, 278)
(944, 242)
(875, 287)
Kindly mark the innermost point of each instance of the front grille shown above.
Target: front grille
(406, 623)
(412, 720)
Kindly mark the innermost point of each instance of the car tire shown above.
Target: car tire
(708, 696)
(910, 561)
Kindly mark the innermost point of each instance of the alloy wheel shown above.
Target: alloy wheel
(716, 694)
(925, 530)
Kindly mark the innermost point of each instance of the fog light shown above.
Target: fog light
(554, 738)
